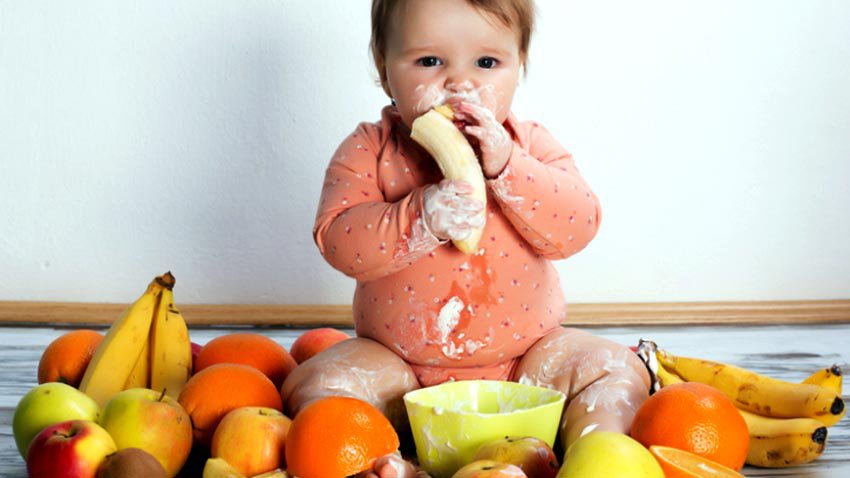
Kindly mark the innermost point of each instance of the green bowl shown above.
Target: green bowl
(450, 421)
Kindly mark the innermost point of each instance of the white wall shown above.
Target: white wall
(137, 137)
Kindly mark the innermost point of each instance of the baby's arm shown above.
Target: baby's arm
(356, 230)
(543, 195)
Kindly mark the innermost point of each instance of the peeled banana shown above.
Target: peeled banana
(171, 350)
(780, 442)
(435, 132)
(118, 352)
(758, 393)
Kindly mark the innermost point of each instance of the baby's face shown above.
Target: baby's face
(440, 51)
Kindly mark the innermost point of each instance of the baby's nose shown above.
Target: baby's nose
(459, 80)
(458, 84)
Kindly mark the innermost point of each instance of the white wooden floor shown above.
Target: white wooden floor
(786, 352)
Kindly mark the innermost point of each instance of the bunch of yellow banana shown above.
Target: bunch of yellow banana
(148, 346)
(787, 421)
(435, 132)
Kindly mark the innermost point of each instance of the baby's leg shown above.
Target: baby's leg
(604, 381)
(359, 368)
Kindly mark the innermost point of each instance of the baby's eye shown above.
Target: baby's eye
(487, 62)
(429, 61)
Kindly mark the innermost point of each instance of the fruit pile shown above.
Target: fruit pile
(139, 401)
(787, 423)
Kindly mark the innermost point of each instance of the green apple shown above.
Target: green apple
(48, 404)
(152, 421)
(609, 455)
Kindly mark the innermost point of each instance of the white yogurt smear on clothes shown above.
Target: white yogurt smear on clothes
(449, 317)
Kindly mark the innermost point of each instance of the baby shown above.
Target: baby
(425, 312)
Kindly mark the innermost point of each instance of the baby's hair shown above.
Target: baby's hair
(517, 14)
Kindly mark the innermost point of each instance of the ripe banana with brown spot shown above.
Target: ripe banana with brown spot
(830, 377)
(781, 442)
(758, 393)
(171, 350)
(116, 356)
(435, 132)
(667, 378)
(774, 442)
(140, 376)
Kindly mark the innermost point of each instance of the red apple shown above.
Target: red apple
(70, 449)
(196, 350)
(489, 469)
(150, 420)
(314, 341)
(252, 439)
(531, 454)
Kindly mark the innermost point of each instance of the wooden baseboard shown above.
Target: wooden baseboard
(311, 315)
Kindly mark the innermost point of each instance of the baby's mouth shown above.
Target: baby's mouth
(458, 118)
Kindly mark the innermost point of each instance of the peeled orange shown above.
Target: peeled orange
(684, 464)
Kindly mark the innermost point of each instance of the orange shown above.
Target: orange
(335, 437)
(218, 389)
(66, 358)
(314, 341)
(697, 418)
(254, 350)
(684, 464)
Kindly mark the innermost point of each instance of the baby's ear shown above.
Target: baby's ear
(523, 65)
(381, 67)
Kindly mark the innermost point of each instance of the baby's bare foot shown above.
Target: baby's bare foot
(393, 466)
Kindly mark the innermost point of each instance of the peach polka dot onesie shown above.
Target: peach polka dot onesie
(448, 314)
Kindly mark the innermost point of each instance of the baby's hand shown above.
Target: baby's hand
(493, 140)
(450, 210)
(393, 466)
